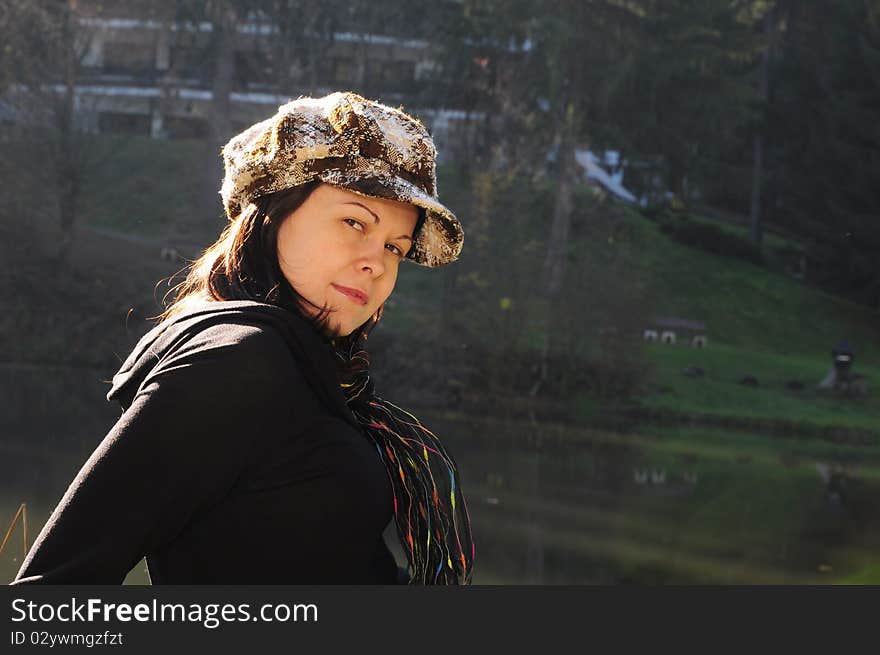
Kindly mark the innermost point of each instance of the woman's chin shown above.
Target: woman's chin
(341, 328)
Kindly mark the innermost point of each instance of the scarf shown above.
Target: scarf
(429, 508)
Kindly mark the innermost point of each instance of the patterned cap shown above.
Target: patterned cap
(350, 142)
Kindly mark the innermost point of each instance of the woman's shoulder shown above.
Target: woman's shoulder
(240, 335)
(255, 348)
(250, 328)
(208, 348)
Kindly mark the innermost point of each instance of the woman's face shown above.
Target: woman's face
(342, 249)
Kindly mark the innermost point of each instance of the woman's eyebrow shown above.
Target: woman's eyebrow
(375, 216)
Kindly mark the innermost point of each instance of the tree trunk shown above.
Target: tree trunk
(755, 227)
(67, 166)
(676, 176)
(560, 227)
(224, 19)
(555, 261)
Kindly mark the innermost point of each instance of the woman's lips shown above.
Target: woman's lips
(355, 294)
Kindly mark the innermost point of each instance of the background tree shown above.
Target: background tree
(686, 93)
(48, 155)
(824, 148)
(534, 77)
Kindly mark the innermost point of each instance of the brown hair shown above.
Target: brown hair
(243, 265)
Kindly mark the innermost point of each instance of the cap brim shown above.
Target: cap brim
(441, 237)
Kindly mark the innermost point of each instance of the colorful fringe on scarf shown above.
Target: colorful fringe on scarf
(429, 507)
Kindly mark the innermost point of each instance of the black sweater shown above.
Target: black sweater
(235, 461)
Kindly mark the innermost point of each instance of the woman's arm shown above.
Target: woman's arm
(176, 450)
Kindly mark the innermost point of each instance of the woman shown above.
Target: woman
(252, 448)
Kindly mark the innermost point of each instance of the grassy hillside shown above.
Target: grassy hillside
(152, 189)
(760, 322)
(156, 188)
(719, 391)
(747, 305)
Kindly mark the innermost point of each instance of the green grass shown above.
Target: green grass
(759, 323)
(870, 575)
(152, 188)
(771, 239)
(719, 392)
(745, 304)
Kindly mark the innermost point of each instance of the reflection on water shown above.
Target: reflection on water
(557, 504)
(550, 504)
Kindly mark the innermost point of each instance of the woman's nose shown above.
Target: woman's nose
(372, 257)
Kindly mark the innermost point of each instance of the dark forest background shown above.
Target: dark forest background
(746, 133)
(762, 113)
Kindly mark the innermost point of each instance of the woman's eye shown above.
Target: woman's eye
(356, 224)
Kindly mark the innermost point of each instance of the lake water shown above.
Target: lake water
(549, 503)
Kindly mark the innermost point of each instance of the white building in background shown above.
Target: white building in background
(606, 171)
(140, 75)
(154, 77)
